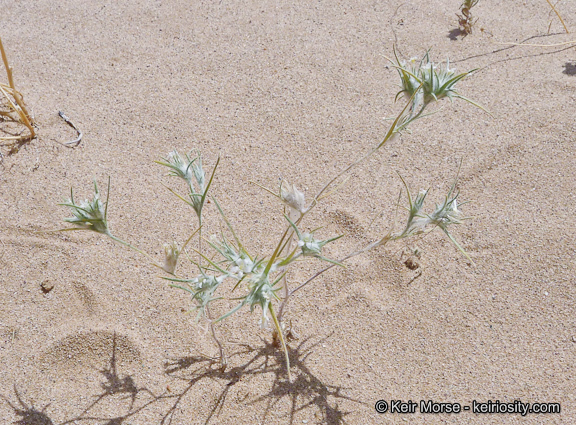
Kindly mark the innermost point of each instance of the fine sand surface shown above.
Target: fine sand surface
(293, 90)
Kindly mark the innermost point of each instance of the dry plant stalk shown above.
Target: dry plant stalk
(559, 17)
(465, 20)
(538, 45)
(16, 109)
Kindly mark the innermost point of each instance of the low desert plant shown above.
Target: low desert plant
(13, 109)
(263, 278)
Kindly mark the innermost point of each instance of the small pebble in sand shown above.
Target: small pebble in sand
(46, 286)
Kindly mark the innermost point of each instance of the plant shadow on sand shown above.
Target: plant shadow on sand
(121, 391)
(306, 390)
(115, 386)
(116, 389)
(570, 68)
(453, 34)
(28, 415)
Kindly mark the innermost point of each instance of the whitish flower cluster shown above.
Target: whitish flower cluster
(310, 246)
(261, 276)
(88, 215)
(239, 262)
(435, 82)
(179, 167)
(424, 82)
(445, 214)
(261, 292)
(202, 289)
(191, 171)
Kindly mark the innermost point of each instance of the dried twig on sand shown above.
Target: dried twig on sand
(559, 17)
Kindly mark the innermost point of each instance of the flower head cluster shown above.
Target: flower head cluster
(239, 261)
(261, 292)
(424, 82)
(179, 167)
(445, 214)
(417, 220)
(243, 265)
(88, 215)
(435, 82)
(202, 289)
(191, 171)
(408, 72)
(310, 246)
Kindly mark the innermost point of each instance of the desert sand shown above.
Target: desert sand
(90, 333)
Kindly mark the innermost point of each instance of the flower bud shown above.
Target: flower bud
(171, 253)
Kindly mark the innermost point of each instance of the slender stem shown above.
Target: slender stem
(4, 91)
(200, 239)
(284, 279)
(284, 303)
(285, 300)
(379, 242)
(223, 360)
(279, 330)
(344, 171)
(413, 118)
(135, 249)
(8, 68)
(276, 252)
(393, 130)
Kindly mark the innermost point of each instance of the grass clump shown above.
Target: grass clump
(226, 268)
(13, 110)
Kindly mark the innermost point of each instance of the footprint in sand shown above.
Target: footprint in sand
(90, 349)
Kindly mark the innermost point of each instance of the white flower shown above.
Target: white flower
(244, 264)
(309, 245)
